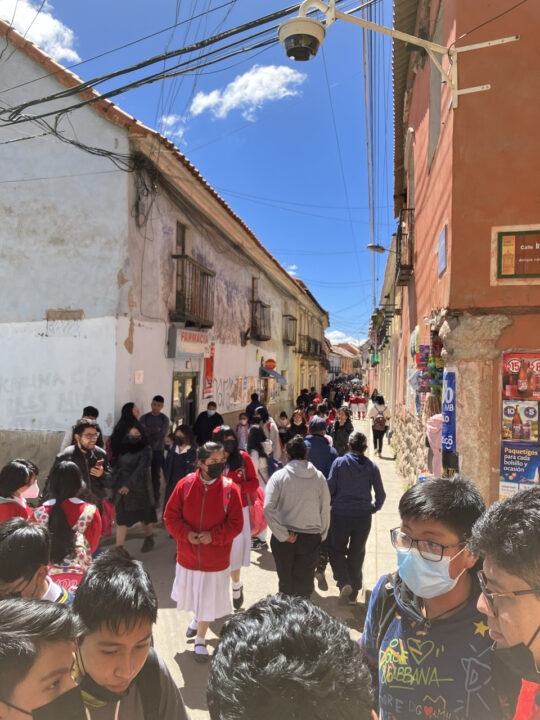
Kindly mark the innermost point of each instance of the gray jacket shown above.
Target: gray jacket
(297, 499)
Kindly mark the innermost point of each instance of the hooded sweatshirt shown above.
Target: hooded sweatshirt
(352, 479)
(430, 668)
(297, 500)
(434, 436)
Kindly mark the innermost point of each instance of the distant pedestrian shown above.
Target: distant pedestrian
(283, 428)
(242, 431)
(181, 459)
(260, 452)
(303, 400)
(128, 418)
(270, 430)
(352, 482)
(433, 421)
(89, 413)
(298, 425)
(204, 514)
(206, 423)
(134, 496)
(253, 405)
(297, 510)
(380, 415)
(156, 425)
(341, 429)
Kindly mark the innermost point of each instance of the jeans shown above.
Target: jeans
(296, 563)
(347, 545)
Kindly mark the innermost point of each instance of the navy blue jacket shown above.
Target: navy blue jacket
(320, 453)
(351, 481)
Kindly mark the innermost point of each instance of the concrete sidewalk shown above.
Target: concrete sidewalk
(260, 579)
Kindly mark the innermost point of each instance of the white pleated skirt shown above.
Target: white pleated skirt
(207, 594)
(241, 547)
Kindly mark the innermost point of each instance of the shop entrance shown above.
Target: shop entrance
(184, 399)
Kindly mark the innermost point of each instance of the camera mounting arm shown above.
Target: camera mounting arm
(434, 50)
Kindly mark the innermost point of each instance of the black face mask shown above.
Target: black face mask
(230, 445)
(93, 694)
(178, 440)
(69, 706)
(133, 439)
(520, 660)
(215, 470)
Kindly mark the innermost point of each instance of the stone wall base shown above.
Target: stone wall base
(39, 447)
(409, 441)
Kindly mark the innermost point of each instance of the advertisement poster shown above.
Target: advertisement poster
(519, 467)
(252, 387)
(450, 458)
(520, 421)
(208, 377)
(521, 376)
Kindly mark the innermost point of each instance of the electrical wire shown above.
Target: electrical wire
(487, 22)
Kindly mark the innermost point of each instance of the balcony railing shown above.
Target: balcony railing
(310, 346)
(194, 293)
(261, 321)
(405, 247)
(289, 330)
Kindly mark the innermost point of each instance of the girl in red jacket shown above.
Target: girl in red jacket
(17, 483)
(204, 514)
(241, 470)
(74, 525)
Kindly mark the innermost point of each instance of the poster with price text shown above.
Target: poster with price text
(450, 457)
(519, 467)
(521, 375)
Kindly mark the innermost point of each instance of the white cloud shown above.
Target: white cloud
(174, 126)
(336, 336)
(250, 91)
(291, 269)
(44, 30)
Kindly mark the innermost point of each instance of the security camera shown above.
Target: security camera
(301, 37)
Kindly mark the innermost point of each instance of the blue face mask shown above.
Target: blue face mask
(211, 412)
(426, 579)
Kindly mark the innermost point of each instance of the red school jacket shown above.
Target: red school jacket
(202, 507)
(246, 479)
(10, 508)
(528, 706)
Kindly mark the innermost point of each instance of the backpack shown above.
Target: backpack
(80, 561)
(379, 421)
(227, 490)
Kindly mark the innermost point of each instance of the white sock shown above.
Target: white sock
(193, 624)
(237, 585)
(200, 646)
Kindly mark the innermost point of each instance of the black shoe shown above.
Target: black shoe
(148, 544)
(258, 544)
(353, 598)
(345, 594)
(238, 601)
(191, 632)
(321, 580)
(200, 657)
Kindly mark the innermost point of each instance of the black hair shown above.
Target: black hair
(84, 423)
(90, 411)
(65, 481)
(24, 548)
(254, 396)
(158, 398)
(211, 404)
(13, 476)
(128, 447)
(122, 427)
(509, 533)
(262, 412)
(187, 432)
(455, 502)
(34, 470)
(379, 400)
(313, 407)
(25, 627)
(321, 407)
(116, 592)
(234, 461)
(285, 657)
(283, 414)
(358, 442)
(256, 437)
(204, 451)
(296, 448)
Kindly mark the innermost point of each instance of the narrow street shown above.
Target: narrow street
(260, 580)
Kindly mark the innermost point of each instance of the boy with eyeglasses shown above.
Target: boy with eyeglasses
(427, 642)
(508, 538)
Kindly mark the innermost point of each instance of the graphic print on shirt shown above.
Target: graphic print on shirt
(424, 678)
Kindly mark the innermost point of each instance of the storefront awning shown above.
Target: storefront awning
(263, 372)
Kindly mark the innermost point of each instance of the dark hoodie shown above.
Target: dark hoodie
(429, 669)
(352, 480)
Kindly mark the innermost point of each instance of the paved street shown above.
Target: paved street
(260, 580)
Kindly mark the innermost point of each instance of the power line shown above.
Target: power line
(290, 202)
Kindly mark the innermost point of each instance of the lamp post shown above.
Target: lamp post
(301, 37)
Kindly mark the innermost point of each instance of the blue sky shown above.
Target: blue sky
(260, 128)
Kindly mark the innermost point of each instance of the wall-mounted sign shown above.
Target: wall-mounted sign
(185, 342)
(518, 254)
(270, 364)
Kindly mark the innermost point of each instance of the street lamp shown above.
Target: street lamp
(375, 247)
(302, 36)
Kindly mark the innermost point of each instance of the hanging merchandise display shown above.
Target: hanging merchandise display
(520, 451)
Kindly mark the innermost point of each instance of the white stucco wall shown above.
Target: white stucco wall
(48, 373)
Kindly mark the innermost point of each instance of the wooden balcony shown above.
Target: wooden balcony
(289, 330)
(194, 293)
(261, 321)
(405, 247)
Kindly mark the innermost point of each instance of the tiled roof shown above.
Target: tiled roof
(115, 115)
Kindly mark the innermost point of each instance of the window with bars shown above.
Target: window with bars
(261, 315)
(194, 287)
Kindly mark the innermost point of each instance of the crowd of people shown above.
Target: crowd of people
(453, 633)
